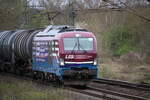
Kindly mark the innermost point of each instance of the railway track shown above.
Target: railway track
(95, 90)
(126, 90)
(92, 93)
(139, 86)
(106, 94)
(98, 89)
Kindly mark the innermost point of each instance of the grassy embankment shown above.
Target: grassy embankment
(18, 90)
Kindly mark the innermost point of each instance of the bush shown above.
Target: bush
(120, 41)
(122, 49)
(106, 72)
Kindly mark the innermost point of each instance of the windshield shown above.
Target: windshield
(78, 44)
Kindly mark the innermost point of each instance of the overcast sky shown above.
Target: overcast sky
(36, 2)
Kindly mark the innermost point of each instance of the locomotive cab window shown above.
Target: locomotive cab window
(78, 44)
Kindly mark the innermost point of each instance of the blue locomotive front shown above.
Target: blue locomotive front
(66, 54)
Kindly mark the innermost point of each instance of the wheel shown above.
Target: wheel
(34, 75)
(42, 76)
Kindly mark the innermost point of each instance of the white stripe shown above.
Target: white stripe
(88, 62)
(56, 49)
(54, 54)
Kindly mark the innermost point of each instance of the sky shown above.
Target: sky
(36, 2)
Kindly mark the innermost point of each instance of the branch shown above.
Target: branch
(129, 9)
(133, 11)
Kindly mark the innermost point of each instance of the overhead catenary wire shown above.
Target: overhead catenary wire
(73, 12)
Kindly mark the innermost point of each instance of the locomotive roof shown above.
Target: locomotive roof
(54, 30)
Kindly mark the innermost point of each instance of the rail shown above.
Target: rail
(139, 86)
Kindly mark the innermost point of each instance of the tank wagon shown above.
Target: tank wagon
(56, 53)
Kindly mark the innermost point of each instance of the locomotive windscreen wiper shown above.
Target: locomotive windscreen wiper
(75, 46)
(80, 46)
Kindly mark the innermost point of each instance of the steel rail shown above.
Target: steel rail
(143, 84)
(91, 94)
(145, 87)
(133, 97)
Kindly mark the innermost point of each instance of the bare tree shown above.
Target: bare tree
(11, 13)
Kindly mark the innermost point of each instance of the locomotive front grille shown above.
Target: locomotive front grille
(80, 71)
(79, 75)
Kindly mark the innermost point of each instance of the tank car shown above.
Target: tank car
(56, 53)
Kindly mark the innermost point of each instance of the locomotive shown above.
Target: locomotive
(56, 53)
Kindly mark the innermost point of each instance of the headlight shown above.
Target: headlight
(62, 63)
(95, 62)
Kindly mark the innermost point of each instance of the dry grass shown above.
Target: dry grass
(25, 91)
(117, 70)
(13, 89)
(16, 89)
